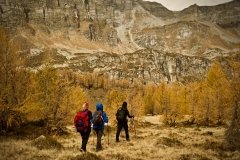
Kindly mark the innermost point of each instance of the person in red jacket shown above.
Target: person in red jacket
(82, 123)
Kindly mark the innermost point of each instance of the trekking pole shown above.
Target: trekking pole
(108, 133)
(133, 122)
(93, 137)
(134, 128)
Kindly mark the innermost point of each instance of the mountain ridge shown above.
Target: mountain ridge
(70, 28)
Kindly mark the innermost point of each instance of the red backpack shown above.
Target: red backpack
(81, 121)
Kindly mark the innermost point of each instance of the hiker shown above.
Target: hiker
(82, 123)
(121, 117)
(99, 119)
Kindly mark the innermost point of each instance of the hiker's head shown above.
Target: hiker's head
(124, 105)
(99, 106)
(85, 105)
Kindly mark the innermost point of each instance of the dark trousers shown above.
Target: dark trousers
(99, 134)
(85, 137)
(119, 128)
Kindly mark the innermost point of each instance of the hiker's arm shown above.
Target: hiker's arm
(117, 114)
(129, 116)
(91, 119)
(90, 116)
(105, 118)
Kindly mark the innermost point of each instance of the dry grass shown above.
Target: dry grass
(151, 142)
(46, 143)
(88, 156)
(169, 142)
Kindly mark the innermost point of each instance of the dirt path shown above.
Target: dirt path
(125, 30)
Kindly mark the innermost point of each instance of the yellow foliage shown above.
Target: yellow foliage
(114, 100)
(13, 81)
(53, 95)
(72, 103)
(136, 103)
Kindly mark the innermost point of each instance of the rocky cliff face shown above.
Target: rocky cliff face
(111, 36)
(146, 65)
(188, 38)
(149, 65)
(60, 13)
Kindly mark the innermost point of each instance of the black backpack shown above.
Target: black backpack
(97, 118)
(121, 114)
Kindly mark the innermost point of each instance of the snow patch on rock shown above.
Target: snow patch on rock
(184, 33)
(66, 54)
(35, 51)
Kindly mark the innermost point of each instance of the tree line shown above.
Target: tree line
(55, 95)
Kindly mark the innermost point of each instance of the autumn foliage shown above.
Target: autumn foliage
(56, 95)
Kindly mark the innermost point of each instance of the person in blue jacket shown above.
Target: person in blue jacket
(99, 119)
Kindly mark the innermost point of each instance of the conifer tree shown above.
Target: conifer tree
(219, 86)
(13, 82)
(233, 132)
(114, 100)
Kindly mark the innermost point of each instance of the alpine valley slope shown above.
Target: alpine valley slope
(124, 39)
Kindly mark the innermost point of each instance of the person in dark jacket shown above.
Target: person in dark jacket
(121, 117)
(99, 127)
(85, 134)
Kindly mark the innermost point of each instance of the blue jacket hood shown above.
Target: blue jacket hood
(99, 106)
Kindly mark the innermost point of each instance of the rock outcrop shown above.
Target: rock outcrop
(146, 65)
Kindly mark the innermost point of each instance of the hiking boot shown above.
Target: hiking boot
(99, 149)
